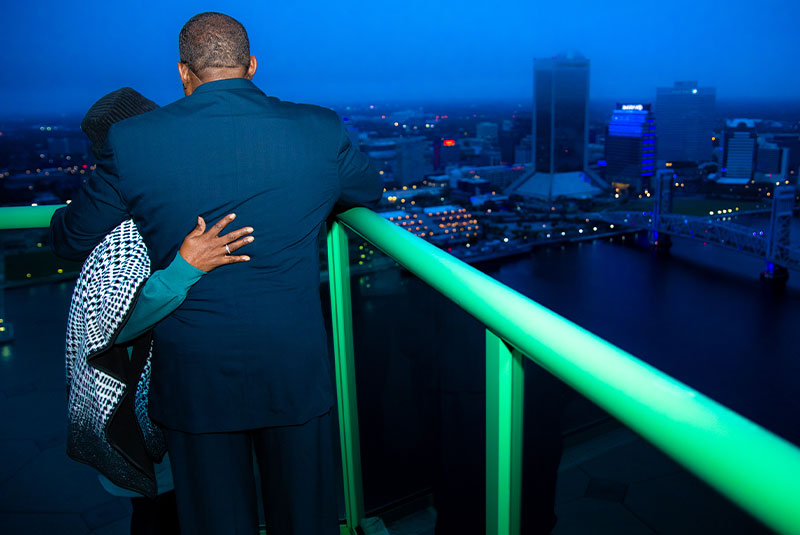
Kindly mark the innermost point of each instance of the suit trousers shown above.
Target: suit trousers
(215, 483)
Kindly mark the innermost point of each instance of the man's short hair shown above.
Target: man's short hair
(213, 40)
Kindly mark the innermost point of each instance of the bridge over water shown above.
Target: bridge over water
(773, 246)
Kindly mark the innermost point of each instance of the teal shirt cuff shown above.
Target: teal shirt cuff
(163, 292)
(180, 275)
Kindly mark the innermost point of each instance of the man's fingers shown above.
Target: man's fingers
(222, 223)
(238, 244)
(236, 234)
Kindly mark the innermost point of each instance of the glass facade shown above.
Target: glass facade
(630, 146)
(685, 122)
(561, 95)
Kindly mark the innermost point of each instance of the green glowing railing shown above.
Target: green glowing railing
(753, 467)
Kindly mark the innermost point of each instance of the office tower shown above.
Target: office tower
(630, 147)
(685, 115)
(560, 113)
(514, 130)
(740, 150)
(399, 160)
(522, 152)
(446, 152)
(790, 144)
(559, 132)
(769, 158)
(487, 131)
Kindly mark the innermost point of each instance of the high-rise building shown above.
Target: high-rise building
(487, 130)
(559, 132)
(399, 160)
(685, 115)
(770, 158)
(514, 130)
(560, 113)
(630, 147)
(790, 144)
(740, 150)
(446, 152)
(523, 154)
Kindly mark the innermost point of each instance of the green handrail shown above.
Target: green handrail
(22, 217)
(748, 464)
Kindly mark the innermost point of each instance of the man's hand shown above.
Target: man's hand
(208, 250)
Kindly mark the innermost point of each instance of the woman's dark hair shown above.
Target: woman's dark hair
(112, 108)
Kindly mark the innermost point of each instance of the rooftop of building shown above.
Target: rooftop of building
(734, 123)
(572, 185)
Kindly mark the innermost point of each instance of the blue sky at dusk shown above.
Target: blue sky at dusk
(61, 56)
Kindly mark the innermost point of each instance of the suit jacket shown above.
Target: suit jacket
(247, 348)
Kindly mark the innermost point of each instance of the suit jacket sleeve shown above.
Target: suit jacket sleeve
(360, 183)
(99, 207)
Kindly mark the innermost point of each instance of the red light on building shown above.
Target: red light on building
(85, 166)
(449, 142)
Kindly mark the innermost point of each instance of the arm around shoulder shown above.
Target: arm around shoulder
(97, 209)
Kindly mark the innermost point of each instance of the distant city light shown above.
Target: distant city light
(694, 91)
(449, 142)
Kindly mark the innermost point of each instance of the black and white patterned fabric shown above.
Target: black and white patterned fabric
(100, 375)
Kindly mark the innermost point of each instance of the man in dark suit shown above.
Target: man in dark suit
(243, 362)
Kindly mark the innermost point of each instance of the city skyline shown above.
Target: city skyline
(421, 52)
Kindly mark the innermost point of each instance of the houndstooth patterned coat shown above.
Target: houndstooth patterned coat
(108, 424)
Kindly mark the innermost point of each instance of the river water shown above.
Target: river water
(700, 314)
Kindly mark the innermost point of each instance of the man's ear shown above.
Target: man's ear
(251, 70)
(184, 73)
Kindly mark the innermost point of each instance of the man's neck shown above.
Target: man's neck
(212, 74)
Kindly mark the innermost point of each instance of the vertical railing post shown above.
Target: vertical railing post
(504, 400)
(342, 322)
